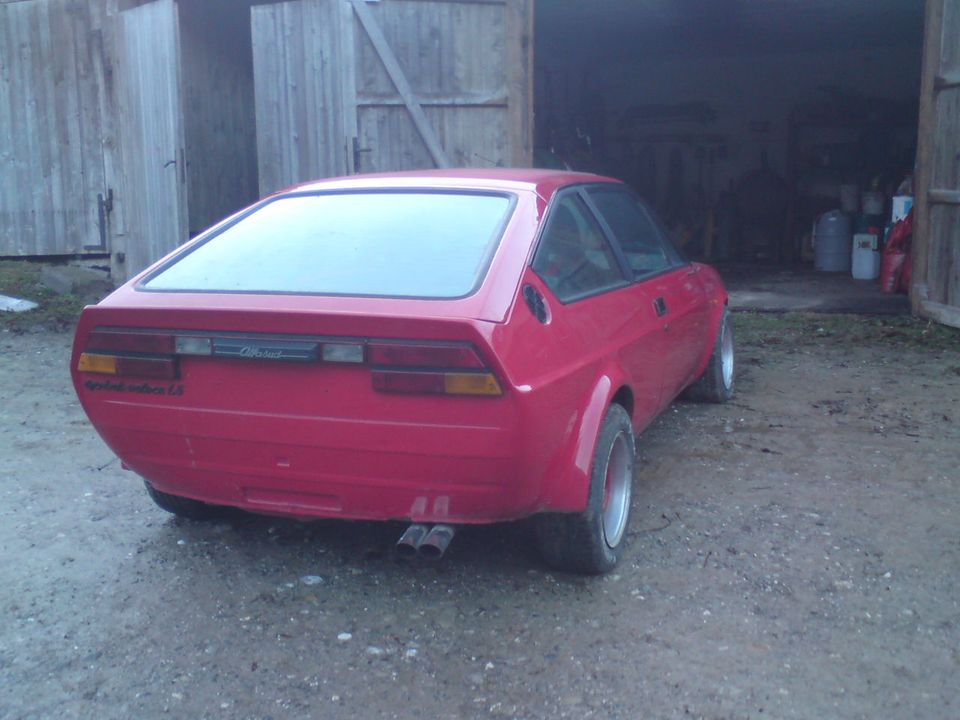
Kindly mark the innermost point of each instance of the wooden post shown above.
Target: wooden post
(923, 176)
(520, 81)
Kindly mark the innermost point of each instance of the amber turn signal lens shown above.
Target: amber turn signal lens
(90, 362)
(471, 384)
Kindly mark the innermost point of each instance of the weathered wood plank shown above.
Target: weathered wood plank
(346, 57)
(519, 49)
(943, 197)
(497, 99)
(459, 2)
(922, 251)
(944, 278)
(298, 92)
(941, 171)
(947, 80)
(945, 314)
(946, 139)
(949, 38)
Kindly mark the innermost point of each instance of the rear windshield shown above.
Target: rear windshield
(394, 244)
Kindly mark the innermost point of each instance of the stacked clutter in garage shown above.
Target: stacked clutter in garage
(863, 239)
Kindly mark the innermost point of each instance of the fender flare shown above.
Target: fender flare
(569, 491)
(718, 302)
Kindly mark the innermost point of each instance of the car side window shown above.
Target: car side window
(574, 258)
(646, 250)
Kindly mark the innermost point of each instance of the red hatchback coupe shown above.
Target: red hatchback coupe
(441, 348)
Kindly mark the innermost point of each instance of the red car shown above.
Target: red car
(442, 348)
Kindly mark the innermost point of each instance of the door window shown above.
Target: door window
(574, 258)
(646, 250)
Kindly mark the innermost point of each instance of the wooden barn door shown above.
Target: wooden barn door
(153, 186)
(936, 258)
(51, 129)
(348, 86)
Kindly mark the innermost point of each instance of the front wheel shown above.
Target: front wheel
(593, 541)
(716, 383)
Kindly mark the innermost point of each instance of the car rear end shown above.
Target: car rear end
(258, 369)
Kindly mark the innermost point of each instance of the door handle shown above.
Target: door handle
(357, 150)
(660, 305)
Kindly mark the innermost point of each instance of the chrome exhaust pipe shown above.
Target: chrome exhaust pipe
(435, 544)
(410, 541)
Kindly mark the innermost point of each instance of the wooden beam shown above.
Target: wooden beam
(943, 197)
(933, 34)
(348, 88)
(498, 99)
(392, 66)
(947, 80)
(519, 65)
(946, 314)
(458, 2)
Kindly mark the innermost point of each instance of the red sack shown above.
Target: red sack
(905, 272)
(895, 254)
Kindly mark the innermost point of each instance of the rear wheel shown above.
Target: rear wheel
(593, 541)
(717, 382)
(181, 506)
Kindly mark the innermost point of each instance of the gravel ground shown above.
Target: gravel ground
(794, 554)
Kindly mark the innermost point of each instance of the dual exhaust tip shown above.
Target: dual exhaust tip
(430, 543)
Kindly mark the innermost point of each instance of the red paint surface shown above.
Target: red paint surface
(316, 439)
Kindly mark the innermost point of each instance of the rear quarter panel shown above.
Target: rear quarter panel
(565, 374)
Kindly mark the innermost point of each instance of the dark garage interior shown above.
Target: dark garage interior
(741, 123)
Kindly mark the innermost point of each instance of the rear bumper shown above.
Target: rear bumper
(309, 467)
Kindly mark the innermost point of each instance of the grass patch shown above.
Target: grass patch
(787, 330)
(21, 279)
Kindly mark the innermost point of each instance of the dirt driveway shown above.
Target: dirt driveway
(794, 555)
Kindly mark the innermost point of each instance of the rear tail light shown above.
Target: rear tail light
(132, 353)
(433, 368)
(396, 366)
(161, 368)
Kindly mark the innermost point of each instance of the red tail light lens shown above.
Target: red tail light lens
(409, 382)
(130, 342)
(423, 355)
(161, 368)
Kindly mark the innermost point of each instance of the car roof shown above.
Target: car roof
(543, 182)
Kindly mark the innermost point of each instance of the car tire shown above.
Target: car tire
(592, 542)
(181, 506)
(716, 385)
